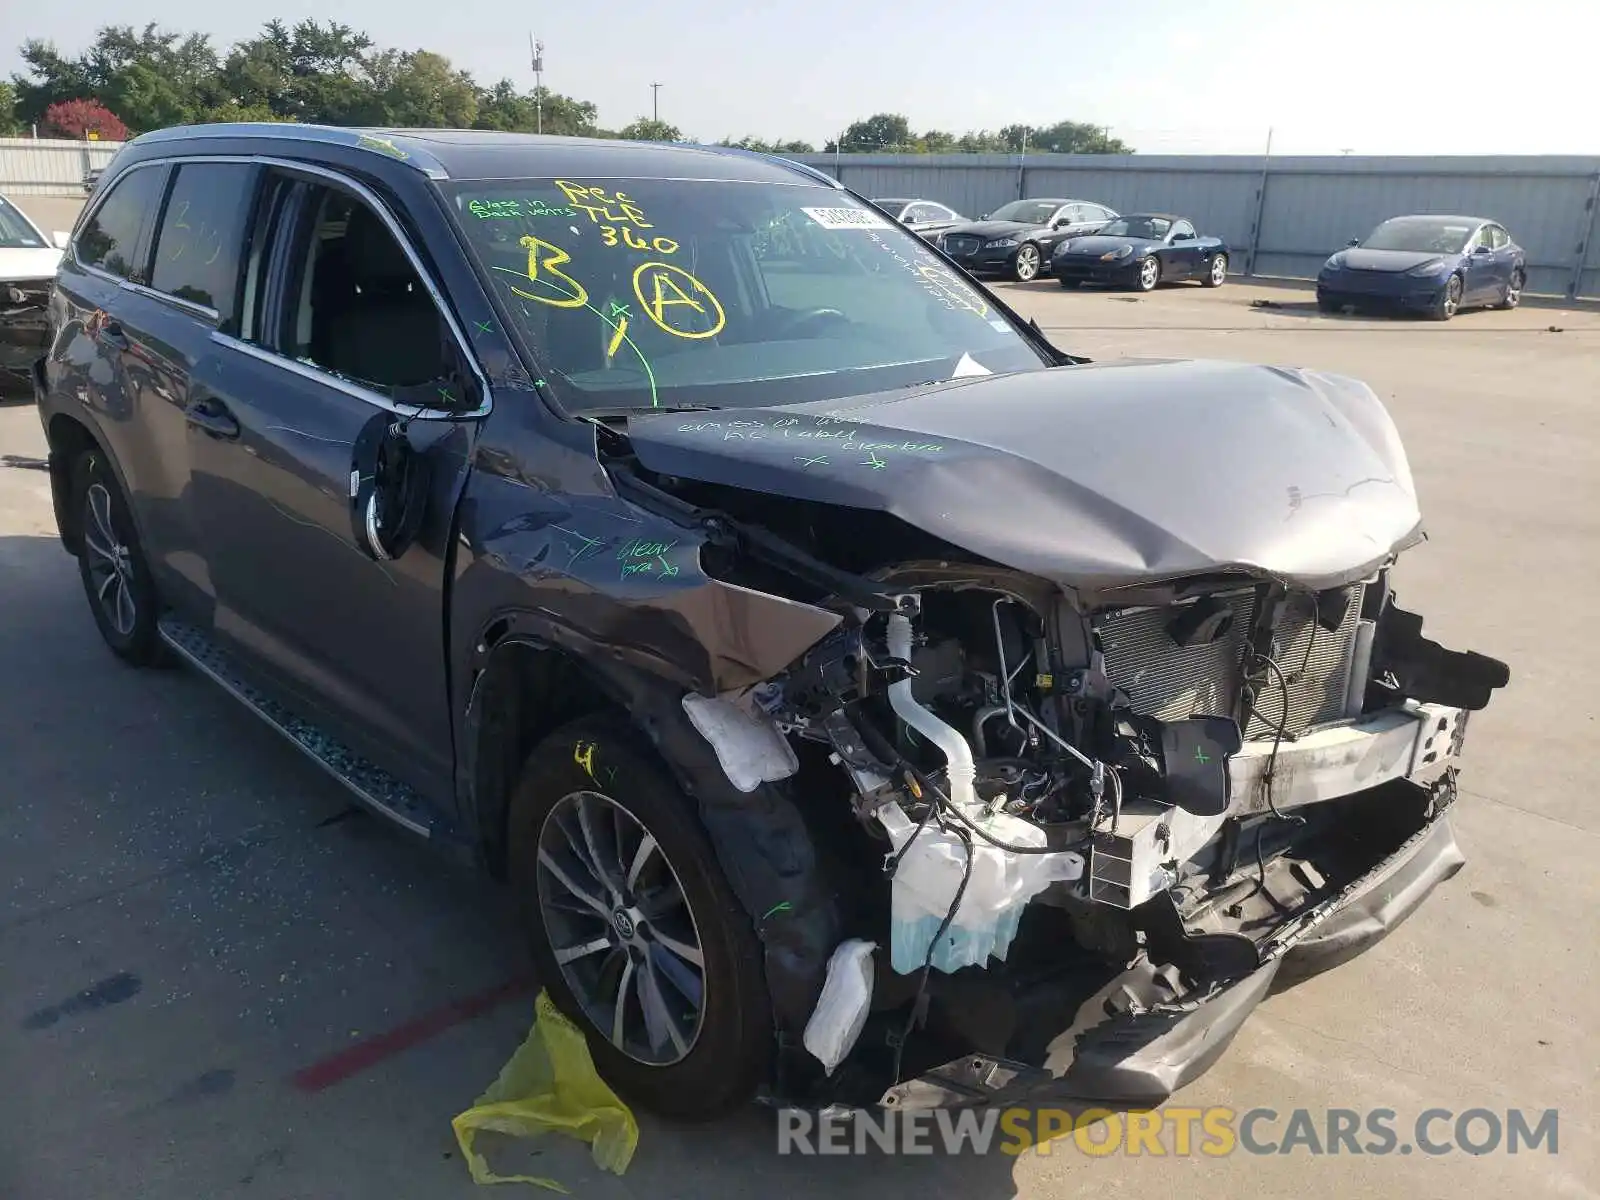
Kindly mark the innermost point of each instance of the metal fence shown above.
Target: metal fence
(1283, 215)
(47, 167)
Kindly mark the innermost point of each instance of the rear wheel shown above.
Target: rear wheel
(1513, 294)
(116, 576)
(633, 927)
(1217, 274)
(1025, 267)
(1449, 302)
(1147, 274)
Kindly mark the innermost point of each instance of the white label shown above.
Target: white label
(847, 218)
(969, 366)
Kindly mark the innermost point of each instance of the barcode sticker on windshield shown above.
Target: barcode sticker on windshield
(847, 218)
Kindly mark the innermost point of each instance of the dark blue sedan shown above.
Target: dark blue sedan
(1140, 251)
(1432, 265)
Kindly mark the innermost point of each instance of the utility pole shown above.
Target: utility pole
(536, 49)
(655, 103)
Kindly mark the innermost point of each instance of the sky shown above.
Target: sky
(1167, 76)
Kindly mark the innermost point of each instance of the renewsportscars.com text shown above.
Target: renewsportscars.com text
(1174, 1131)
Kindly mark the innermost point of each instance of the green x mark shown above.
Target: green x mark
(484, 326)
(1200, 755)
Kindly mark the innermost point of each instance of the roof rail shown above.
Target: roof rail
(376, 141)
(798, 167)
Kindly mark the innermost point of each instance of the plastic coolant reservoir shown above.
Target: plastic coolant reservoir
(1001, 884)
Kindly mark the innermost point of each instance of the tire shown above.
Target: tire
(695, 1063)
(1217, 272)
(1146, 274)
(1449, 300)
(1027, 264)
(1513, 294)
(112, 564)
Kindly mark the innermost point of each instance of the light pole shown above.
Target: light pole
(655, 103)
(536, 49)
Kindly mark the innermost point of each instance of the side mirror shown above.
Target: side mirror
(61, 239)
(1353, 242)
(1476, 250)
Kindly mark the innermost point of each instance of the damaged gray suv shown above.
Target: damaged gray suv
(864, 701)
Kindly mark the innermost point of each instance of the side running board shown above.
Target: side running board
(374, 786)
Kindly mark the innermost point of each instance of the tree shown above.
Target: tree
(79, 118)
(765, 147)
(647, 130)
(421, 89)
(882, 132)
(9, 125)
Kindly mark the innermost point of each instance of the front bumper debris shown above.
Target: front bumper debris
(1140, 1058)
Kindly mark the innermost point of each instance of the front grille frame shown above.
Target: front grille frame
(1170, 682)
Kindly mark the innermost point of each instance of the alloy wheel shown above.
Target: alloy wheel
(1149, 273)
(620, 928)
(110, 563)
(1514, 289)
(1219, 270)
(1027, 262)
(1452, 296)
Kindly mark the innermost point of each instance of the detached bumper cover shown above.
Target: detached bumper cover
(1142, 1058)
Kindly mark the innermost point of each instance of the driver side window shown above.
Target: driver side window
(1183, 231)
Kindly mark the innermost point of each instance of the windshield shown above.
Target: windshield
(1154, 228)
(641, 293)
(1028, 212)
(15, 231)
(1428, 235)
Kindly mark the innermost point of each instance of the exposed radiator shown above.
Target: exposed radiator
(1169, 682)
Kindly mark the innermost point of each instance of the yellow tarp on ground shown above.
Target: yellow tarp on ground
(550, 1084)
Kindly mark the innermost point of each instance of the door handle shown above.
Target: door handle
(212, 418)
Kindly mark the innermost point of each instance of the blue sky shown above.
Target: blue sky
(1174, 76)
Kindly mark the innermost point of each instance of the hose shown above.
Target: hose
(960, 769)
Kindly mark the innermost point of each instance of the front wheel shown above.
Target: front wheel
(116, 575)
(1218, 273)
(1025, 268)
(634, 929)
(1147, 274)
(1449, 302)
(1513, 293)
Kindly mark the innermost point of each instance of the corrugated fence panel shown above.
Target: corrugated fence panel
(1312, 206)
(43, 167)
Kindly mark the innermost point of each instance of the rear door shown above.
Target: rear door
(129, 360)
(348, 336)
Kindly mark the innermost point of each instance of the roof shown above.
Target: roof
(487, 154)
(1440, 217)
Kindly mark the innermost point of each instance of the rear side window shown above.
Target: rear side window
(110, 241)
(201, 241)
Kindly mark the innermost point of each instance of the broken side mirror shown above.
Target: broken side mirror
(388, 488)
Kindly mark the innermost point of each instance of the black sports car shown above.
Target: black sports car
(1140, 251)
(1017, 239)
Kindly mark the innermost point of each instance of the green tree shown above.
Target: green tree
(765, 147)
(9, 125)
(647, 130)
(420, 89)
(880, 133)
(936, 141)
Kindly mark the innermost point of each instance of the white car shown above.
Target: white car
(28, 264)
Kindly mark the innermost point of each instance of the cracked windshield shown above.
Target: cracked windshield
(661, 293)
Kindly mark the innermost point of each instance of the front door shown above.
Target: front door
(1183, 260)
(347, 339)
(1482, 280)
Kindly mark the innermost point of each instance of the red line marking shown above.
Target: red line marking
(369, 1052)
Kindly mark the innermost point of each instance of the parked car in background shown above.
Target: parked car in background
(925, 218)
(1017, 239)
(1435, 265)
(1140, 251)
(28, 263)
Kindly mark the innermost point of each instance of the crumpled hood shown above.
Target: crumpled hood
(1097, 476)
(1102, 244)
(993, 229)
(1358, 259)
(18, 264)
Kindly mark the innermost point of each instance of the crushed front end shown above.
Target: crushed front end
(1157, 810)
